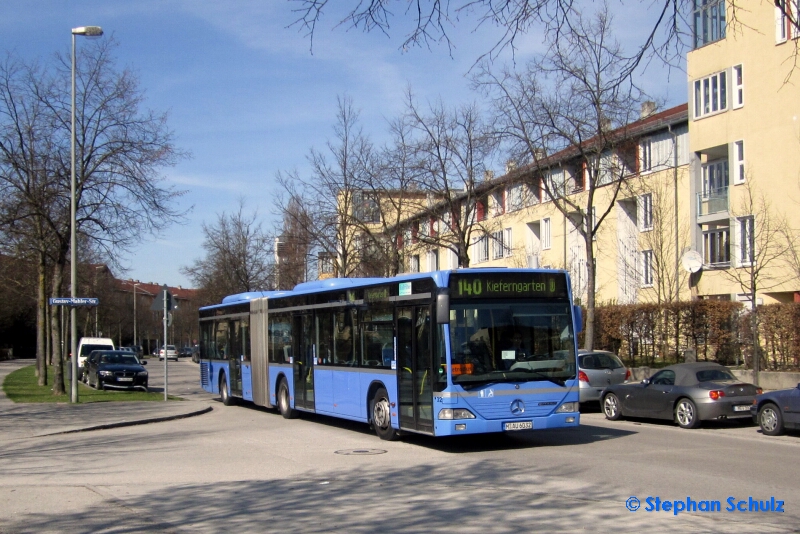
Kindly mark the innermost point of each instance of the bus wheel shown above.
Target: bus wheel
(284, 405)
(223, 390)
(382, 416)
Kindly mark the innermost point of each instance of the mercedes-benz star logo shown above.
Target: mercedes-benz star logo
(517, 407)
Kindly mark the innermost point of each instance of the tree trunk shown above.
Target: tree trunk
(41, 322)
(58, 357)
(588, 330)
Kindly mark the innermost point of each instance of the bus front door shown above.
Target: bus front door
(304, 362)
(414, 368)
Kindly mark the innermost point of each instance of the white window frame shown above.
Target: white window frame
(738, 165)
(781, 25)
(646, 155)
(745, 240)
(480, 248)
(413, 264)
(544, 229)
(737, 83)
(710, 19)
(433, 260)
(515, 197)
(646, 210)
(715, 177)
(716, 247)
(647, 268)
(710, 94)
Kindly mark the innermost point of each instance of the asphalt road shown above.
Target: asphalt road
(247, 469)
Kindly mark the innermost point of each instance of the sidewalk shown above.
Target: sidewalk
(19, 421)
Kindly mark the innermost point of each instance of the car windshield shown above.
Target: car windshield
(510, 342)
(600, 360)
(119, 359)
(86, 349)
(713, 375)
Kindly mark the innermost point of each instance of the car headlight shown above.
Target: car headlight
(141, 373)
(106, 373)
(568, 407)
(455, 413)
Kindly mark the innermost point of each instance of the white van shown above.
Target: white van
(87, 344)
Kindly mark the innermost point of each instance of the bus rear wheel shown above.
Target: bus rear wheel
(382, 416)
(224, 394)
(284, 404)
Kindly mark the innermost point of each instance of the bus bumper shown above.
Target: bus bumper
(481, 426)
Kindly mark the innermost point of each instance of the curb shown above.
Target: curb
(130, 423)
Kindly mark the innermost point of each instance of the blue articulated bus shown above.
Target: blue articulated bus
(441, 353)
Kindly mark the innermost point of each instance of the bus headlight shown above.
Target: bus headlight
(568, 407)
(455, 413)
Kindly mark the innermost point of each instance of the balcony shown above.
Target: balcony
(712, 201)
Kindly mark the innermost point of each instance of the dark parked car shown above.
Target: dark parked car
(185, 351)
(777, 411)
(115, 369)
(686, 393)
(596, 371)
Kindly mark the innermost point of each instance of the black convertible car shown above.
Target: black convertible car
(115, 369)
(777, 411)
(686, 393)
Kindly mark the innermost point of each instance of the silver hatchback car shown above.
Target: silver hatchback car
(598, 370)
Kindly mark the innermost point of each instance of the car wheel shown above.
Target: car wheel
(284, 402)
(611, 407)
(770, 420)
(686, 414)
(381, 416)
(223, 390)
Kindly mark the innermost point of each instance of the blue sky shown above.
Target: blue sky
(247, 98)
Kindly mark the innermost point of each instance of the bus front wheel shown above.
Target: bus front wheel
(223, 391)
(382, 416)
(284, 404)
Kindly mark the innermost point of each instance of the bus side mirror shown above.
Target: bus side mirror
(443, 308)
(578, 318)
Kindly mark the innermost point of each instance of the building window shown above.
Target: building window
(738, 173)
(715, 178)
(709, 21)
(781, 23)
(480, 209)
(646, 155)
(646, 210)
(366, 208)
(516, 197)
(433, 260)
(498, 203)
(647, 268)
(480, 249)
(710, 94)
(716, 247)
(738, 87)
(414, 266)
(746, 241)
(501, 244)
(415, 233)
(545, 230)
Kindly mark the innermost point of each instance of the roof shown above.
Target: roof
(152, 289)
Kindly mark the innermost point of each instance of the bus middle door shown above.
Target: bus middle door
(303, 367)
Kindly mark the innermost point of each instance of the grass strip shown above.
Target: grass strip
(23, 386)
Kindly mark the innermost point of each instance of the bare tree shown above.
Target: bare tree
(564, 117)
(452, 149)
(238, 257)
(328, 195)
(433, 20)
(293, 247)
(120, 148)
(763, 243)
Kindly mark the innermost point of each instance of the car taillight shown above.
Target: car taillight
(582, 377)
(627, 375)
(759, 391)
(716, 394)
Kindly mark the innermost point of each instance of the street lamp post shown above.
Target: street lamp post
(89, 31)
(134, 316)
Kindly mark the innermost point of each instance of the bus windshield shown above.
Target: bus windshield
(505, 341)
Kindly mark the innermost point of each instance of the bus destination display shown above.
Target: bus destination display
(508, 285)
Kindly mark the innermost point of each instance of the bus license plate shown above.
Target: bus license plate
(518, 425)
(742, 408)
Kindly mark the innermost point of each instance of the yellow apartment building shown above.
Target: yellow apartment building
(744, 132)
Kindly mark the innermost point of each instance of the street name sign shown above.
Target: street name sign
(74, 301)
